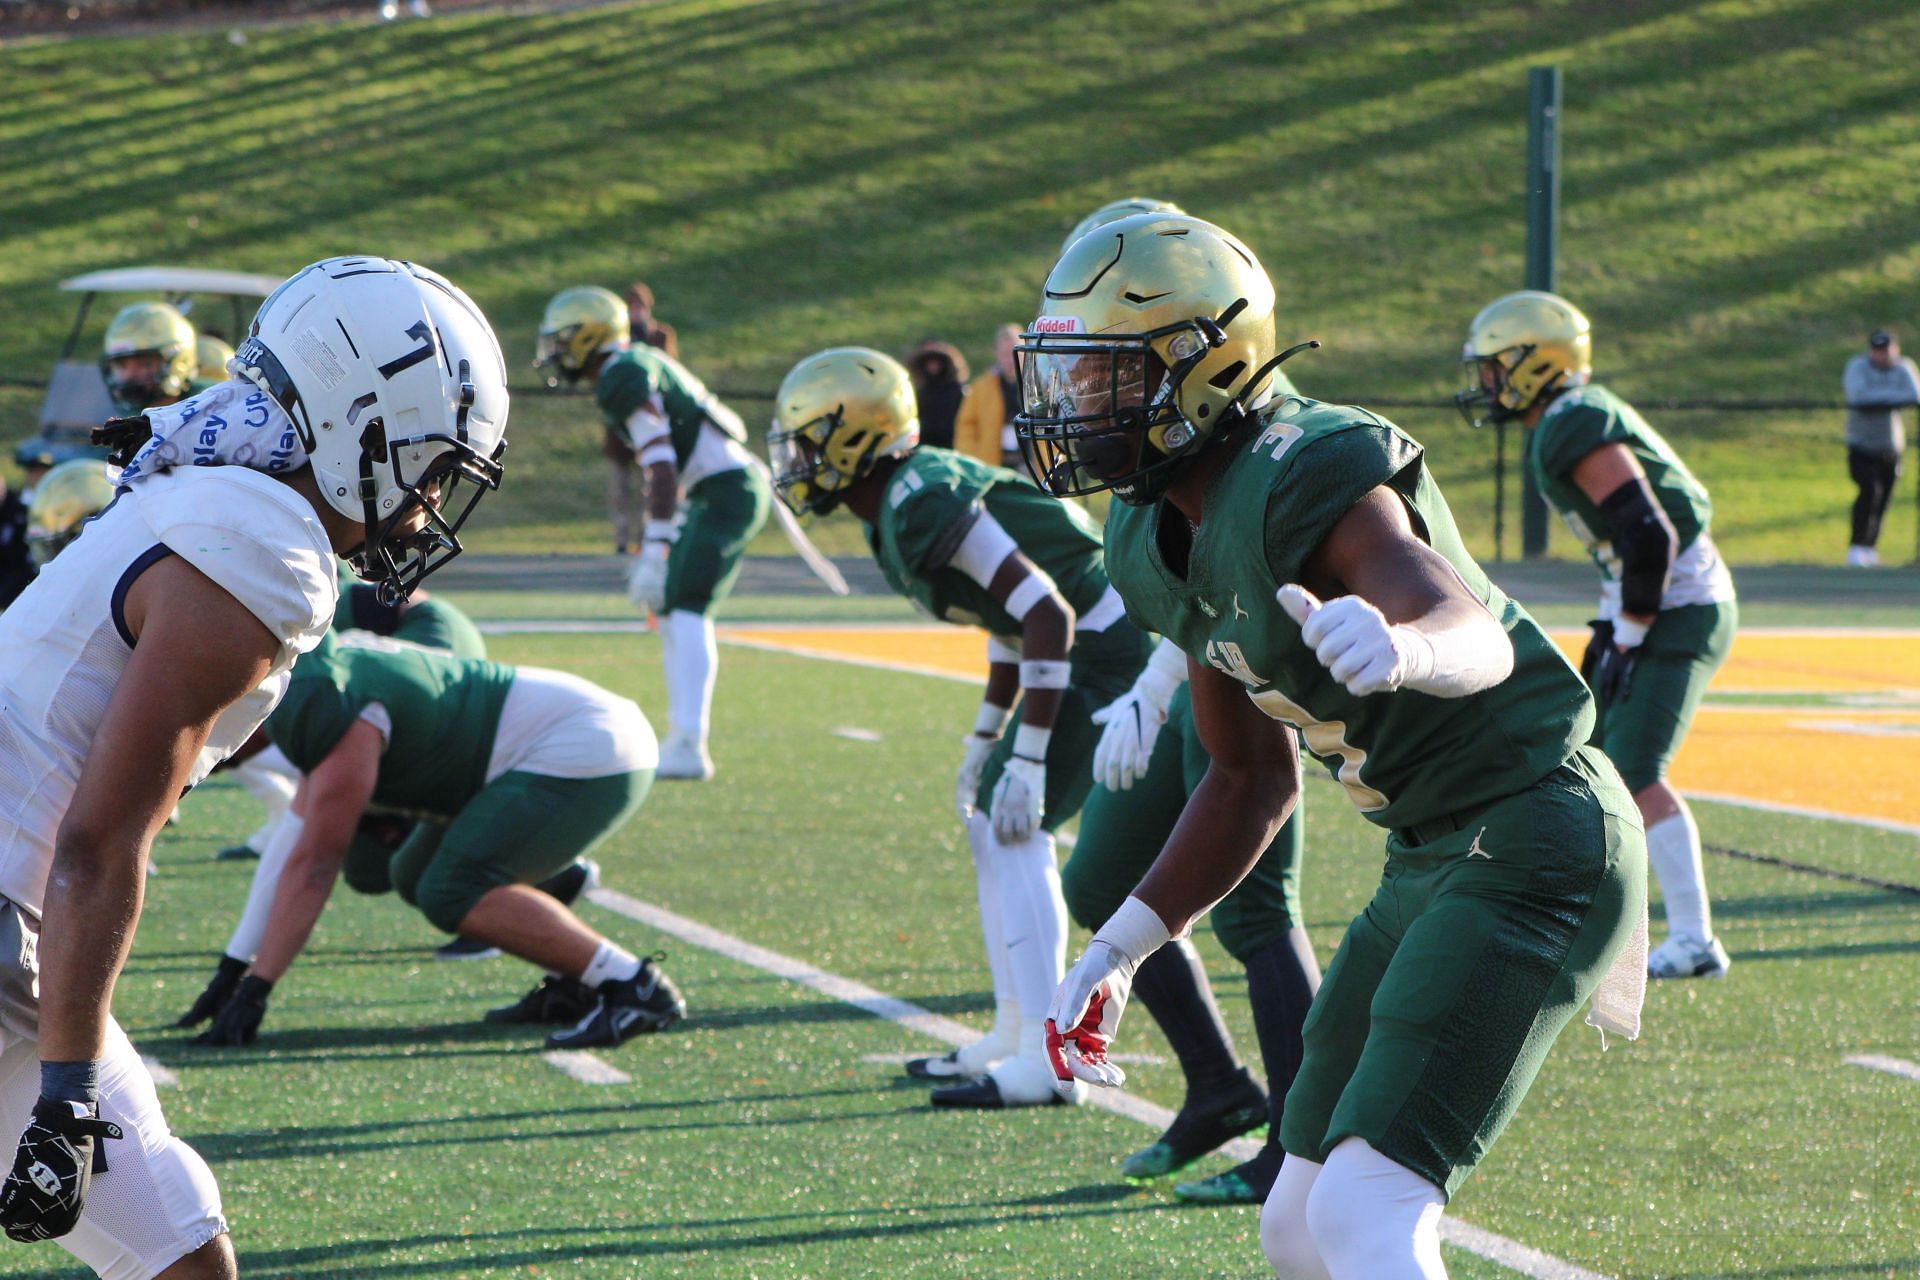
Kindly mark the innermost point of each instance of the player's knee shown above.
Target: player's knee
(1370, 1216)
(1285, 1239)
(1244, 932)
(445, 899)
(1091, 897)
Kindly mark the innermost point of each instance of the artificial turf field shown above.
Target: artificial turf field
(379, 1130)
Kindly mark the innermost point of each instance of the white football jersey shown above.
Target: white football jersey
(64, 642)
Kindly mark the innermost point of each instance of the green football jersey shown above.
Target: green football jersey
(1405, 758)
(445, 713)
(432, 623)
(1582, 420)
(632, 379)
(933, 500)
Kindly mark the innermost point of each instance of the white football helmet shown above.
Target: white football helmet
(395, 383)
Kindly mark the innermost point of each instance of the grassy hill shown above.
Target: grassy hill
(1742, 187)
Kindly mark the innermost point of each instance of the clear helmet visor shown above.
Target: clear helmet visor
(1084, 412)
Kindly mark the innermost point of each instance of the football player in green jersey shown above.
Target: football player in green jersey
(706, 497)
(1667, 608)
(511, 775)
(1302, 556)
(976, 545)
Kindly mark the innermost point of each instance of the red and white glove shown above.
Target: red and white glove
(1086, 1008)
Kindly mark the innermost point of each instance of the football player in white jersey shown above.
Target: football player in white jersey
(366, 414)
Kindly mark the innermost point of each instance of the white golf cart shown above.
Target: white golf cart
(77, 399)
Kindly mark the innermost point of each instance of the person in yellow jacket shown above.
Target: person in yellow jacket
(984, 427)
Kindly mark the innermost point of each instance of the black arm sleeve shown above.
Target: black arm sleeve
(1646, 543)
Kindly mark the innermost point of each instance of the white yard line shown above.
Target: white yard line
(1879, 1062)
(163, 1077)
(1497, 1248)
(584, 1067)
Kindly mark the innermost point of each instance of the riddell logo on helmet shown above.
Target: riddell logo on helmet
(1058, 324)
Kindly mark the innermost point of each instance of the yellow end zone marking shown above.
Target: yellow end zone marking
(1859, 763)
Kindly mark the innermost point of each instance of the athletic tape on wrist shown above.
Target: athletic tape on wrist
(1031, 741)
(1041, 673)
(1135, 930)
(991, 722)
(659, 531)
(1628, 634)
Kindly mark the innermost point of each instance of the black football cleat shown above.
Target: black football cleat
(1201, 1126)
(558, 1001)
(643, 1003)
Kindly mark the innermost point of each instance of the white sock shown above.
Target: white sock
(1006, 1007)
(1284, 1234)
(692, 660)
(611, 963)
(1033, 915)
(269, 777)
(1373, 1218)
(1673, 846)
(285, 833)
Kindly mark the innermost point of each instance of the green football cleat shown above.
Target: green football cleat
(1196, 1131)
(1221, 1188)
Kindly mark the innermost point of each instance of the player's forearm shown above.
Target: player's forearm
(663, 491)
(92, 903)
(1046, 638)
(1229, 821)
(1003, 683)
(306, 882)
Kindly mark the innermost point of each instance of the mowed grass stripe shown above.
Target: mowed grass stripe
(1511, 1254)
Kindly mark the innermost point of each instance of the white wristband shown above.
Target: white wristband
(992, 720)
(1038, 673)
(1031, 741)
(659, 531)
(1135, 930)
(1000, 649)
(1031, 590)
(1628, 634)
(1455, 662)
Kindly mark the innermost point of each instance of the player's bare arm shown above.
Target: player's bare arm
(1385, 611)
(197, 651)
(1046, 632)
(1249, 789)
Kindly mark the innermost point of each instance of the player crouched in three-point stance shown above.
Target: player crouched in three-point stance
(706, 498)
(512, 775)
(368, 395)
(1303, 551)
(1667, 611)
(976, 545)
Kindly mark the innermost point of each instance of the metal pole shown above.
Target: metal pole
(1543, 233)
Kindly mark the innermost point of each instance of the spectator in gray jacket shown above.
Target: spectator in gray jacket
(1878, 384)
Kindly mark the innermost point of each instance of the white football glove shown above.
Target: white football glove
(647, 576)
(1133, 722)
(1353, 640)
(1086, 1008)
(1019, 800)
(967, 786)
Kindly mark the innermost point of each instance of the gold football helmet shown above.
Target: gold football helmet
(211, 354)
(66, 498)
(148, 356)
(1113, 211)
(1521, 351)
(1157, 329)
(580, 323)
(837, 413)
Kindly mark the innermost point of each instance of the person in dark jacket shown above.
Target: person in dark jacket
(940, 384)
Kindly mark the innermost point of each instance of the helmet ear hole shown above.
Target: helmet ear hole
(1225, 379)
